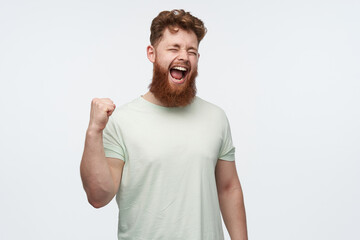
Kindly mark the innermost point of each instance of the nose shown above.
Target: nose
(183, 55)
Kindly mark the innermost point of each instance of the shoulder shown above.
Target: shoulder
(124, 108)
(213, 112)
(210, 107)
(123, 113)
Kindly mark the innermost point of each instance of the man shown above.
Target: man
(167, 155)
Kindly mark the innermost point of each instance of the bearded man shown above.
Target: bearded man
(167, 155)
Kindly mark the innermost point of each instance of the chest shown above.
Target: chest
(152, 140)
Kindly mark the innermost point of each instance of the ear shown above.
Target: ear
(150, 51)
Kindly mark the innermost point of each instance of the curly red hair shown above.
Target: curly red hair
(174, 19)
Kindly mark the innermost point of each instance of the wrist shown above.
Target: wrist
(93, 131)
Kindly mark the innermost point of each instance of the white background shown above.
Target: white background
(286, 73)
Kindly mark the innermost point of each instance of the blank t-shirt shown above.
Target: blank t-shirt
(168, 188)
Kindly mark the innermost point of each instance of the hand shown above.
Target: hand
(101, 110)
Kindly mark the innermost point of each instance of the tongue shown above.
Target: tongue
(176, 73)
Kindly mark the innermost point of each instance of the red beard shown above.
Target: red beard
(172, 96)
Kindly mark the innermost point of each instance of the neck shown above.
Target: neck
(149, 96)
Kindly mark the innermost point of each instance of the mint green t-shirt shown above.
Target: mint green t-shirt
(168, 188)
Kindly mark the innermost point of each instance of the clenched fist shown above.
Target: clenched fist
(101, 110)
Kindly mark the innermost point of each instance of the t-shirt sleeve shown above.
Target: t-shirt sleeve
(113, 140)
(227, 150)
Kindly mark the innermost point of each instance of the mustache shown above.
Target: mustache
(181, 63)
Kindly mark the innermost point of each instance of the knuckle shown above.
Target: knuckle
(109, 100)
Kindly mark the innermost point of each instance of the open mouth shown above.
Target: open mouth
(178, 74)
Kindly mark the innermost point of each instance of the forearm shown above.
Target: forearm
(233, 213)
(95, 171)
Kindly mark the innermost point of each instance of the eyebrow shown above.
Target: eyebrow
(192, 48)
(178, 46)
(175, 45)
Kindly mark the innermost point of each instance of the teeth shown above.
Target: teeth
(180, 68)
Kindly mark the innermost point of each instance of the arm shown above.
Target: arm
(100, 175)
(231, 199)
